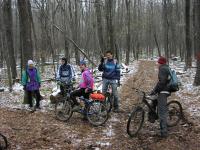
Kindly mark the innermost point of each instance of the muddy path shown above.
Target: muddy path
(40, 130)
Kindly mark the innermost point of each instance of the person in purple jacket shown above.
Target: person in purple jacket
(85, 86)
(31, 81)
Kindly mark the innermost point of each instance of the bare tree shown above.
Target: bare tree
(8, 25)
(188, 56)
(196, 5)
(128, 31)
(25, 31)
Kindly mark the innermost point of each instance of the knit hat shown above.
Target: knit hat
(30, 62)
(82, 62)
(162, 60)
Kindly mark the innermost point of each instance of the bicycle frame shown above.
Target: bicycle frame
(144, 100)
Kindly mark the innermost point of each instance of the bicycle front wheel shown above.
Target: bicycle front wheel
(97, 113)
(175, 113)
(3, 142)
(135, 121)
(63, 110)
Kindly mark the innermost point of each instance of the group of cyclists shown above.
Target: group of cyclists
(110, 77)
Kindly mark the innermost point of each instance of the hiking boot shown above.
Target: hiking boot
(76, 108)
(164, 135)
(37, 108)
(116, 110)
(152, 117)
(84, 118)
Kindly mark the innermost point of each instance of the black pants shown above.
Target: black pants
(30, 97)
(78, 93)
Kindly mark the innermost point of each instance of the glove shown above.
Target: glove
(102, 59)
(152, 93)
(118, 83)
(24, 88)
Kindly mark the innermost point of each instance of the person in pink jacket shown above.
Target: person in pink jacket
(85, 86)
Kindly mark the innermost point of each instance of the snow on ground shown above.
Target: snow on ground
(48, 133)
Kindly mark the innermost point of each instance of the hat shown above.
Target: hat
(82, 62)
(30, 62)
(162, 60)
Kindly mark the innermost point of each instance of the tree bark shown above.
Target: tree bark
(8, 23)
(128, 36)
(25, 31)
(188, 56)
(196, 5)
(99, 25)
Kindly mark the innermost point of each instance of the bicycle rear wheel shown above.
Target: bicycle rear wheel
(97, 113)
(135, 121)
(3, 142)
(63, 110)
(175, 112)
(108, 102)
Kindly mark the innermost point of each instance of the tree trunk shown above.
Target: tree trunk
(196, 5)
(188, 56)
(110, 27)
(25, 31)
(128, 36)
(7, 17)
(165, 28)
(99, 25)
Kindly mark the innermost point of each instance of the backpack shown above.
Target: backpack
(173, 81)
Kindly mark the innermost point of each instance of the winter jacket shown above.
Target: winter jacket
(31, 79)
(87, 80)
(65, 73)
(111, 69)
(163, 79)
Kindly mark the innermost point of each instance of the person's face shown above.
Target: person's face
(109, 56)
(158, 65)
(31, 66)
(82, 67)
(62, 62)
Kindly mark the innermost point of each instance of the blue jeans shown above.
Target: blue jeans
(113, 84)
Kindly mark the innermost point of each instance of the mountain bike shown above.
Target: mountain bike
(137, 116)
(94, 110)
(3, 142)
(63, 103)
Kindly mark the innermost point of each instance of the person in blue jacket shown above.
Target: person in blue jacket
(111, 76)
(65, 74)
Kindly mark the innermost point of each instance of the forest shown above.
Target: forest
(136, 32)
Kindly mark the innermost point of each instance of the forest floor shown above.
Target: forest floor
(40, 130)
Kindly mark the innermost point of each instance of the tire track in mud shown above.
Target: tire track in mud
(183, 136)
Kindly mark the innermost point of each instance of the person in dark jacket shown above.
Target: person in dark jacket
(65, 74)
(111, 76)
(162, 90)
(31, 82)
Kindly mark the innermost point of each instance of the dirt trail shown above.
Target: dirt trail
(39, 130)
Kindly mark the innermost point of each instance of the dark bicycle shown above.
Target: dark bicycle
(3, 142)
(94, 109)
(63, 103)
(136, 118)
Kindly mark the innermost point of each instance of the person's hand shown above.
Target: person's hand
(152, 93)
(102, 59)
(118, 83)
(73, 80)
